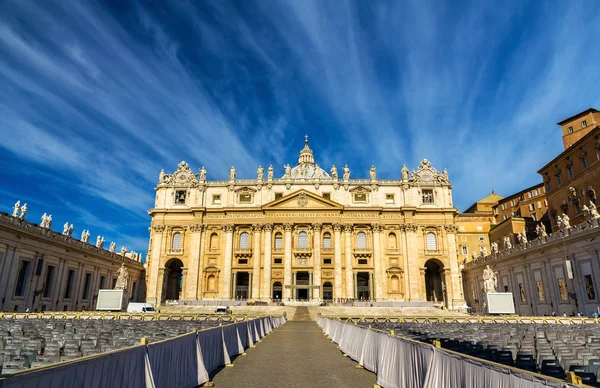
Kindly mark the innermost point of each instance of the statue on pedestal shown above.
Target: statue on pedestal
(123, 251)
(44, 220)
(473, 256)
(594, 211)
(161, 176)
(494, 248)
(346, 172)
(232, 173)
(202, 174)
(490, 280)
(540, 230)
(70, 230)
(334, 172)
(507, 243)
(66, 229)
(373, 173)
(122, 278)
(23, 211)
(288, 172)
(565, 222)
(112, 247)
(522, 237)
(99, 242)
(483, 251)
(85, 236)
(260, 173)
(16, 209)
(404, 173)
(270, 172)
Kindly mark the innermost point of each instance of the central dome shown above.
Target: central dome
(306, 167)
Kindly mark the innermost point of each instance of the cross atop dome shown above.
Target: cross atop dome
(306, 155)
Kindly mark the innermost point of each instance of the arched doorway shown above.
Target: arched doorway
(277, 290)
(327, 291)
(174, 276)
(434, 289)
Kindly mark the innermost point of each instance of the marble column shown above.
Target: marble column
(355, 287)
(416, 281)
(203, 247)
(316, 292)
(233, 286)
(226, 290)
(287, 261)
(337, 260)
(256, 261)
(371, 286)
(348, 254)
(266, 283)
(154, 291)
(194, 272)
(310, 283)
(377, 264)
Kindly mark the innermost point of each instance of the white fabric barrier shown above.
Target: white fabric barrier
(125, 368)
(184, 361)
(399, 362)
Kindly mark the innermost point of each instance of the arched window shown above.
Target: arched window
(214, 241)
(176, 244)
(431, 242)
(244, 240)
(327, 241)
(361, 240)
(392, 240)
(278, 241)
(302, 240)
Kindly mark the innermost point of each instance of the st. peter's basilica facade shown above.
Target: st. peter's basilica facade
(309, 235)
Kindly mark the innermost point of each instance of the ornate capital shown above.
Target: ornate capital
(158, 228)
(347, 228)
(450, 228)
(337, 226)
(229, 228)
(268, 226)
(197, 227)
(377, 227)
(317, 226)
(288, 226)
(257, 227)
(411, 227)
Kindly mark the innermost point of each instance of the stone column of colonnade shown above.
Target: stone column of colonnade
(348, 253)
(256, 228)
(266, 283)
(153, 294)
(287, 261)
(226, 291)
(456, 295)
(377, 267)
(194, 272)
(316, 279)
(415, 278)
(337, 260)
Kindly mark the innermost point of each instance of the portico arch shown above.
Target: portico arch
(174, 276)
(434, 280)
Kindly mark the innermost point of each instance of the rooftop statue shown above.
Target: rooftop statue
(334, 172)
(260, 173)
(232, 173)
(346, 172)
(112, 247)
(122, 278)
(540, 230)
(594, 211)
(66, 229)
(404, 173)
(23, 211)
(270, 172)
(373, 173)
(16, 209)
(161, 176)
(202, 174)
(490, 280)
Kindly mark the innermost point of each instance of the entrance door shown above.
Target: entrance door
(277, 291)
(241, 287)
(433, 281)
(362, 286)
(327, 291)
(302, 279)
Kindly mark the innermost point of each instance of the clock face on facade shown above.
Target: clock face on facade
(181, 177)
(427, 176)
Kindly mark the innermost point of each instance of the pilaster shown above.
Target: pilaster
(348, 257)
(377, 264)
(337, 258)
(266, 284)
(317, 260)
(257, 228)
(287, 261)
(154, 291)
(226, 290)
(193, 273)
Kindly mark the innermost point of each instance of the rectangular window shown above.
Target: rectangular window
(243, 261)
(87, 284)
(69, 287)
(102, 282)
(558, 180)
(278, 196)
(48, 283)
(277, 260)
(327, 260)
(389, 198)
(180, 197)
(363, 261)
(589, 287)
(465, 250)
(505, 216)
(583, 124)
(548, 186)
(481, 239)
(360, 198)
(22, 278)
(529, 195)
(570, 129)
(327, 196)
(539, 204)
(504, 206)
(427, 196)
(327, 242)
(534, 217)
(216, 199)
(570, 173)
(278, 242)
(584, 163)
(245, 198)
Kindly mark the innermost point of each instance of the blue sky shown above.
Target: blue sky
(98, 97)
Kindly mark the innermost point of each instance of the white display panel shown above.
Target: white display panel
(500, 303)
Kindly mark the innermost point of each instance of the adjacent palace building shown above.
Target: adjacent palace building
(309, 235)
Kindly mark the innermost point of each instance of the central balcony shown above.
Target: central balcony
(363, 252)
(302, 252)
(242, 252)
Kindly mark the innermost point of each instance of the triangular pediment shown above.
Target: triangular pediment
(304, 200)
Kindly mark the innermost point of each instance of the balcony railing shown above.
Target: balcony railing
(302, 251)
(242, 252)
(175, 251)
(363, 252)
(393, 251)
(213, 251)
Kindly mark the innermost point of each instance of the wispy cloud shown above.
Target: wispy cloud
(97, 100)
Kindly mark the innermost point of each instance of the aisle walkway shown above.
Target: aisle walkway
(294, 355)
